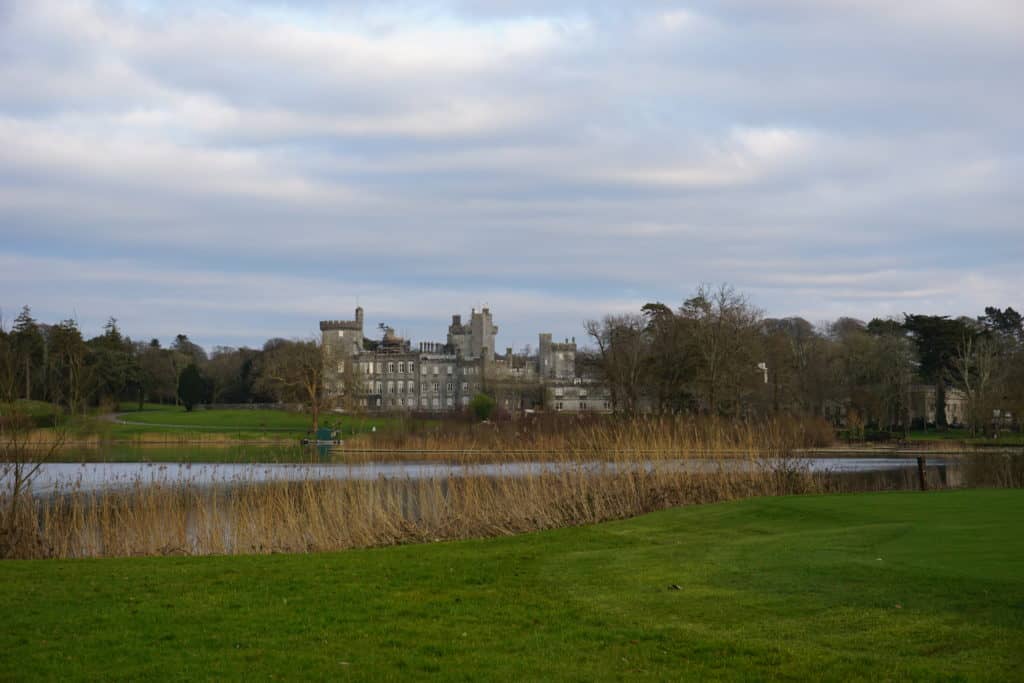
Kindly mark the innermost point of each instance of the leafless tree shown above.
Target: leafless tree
(297, 371)
(975, 372)
(726, 339)
(21, 459)
(622, 348)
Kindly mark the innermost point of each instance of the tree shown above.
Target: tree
(297, 371)
(8, 368)
(68, 372)
(192, 351)
(482, 406)
(114, 367)
(21, 459)
(192, 387)
(875, 372)
(158, 374)
(726, 339)
(1008, 323)
(29, 348)
(670, 362)
(976, 373)
(622, 346)
(936, 338)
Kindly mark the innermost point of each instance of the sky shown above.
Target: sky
(237, 171)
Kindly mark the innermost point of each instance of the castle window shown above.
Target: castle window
(391, 389)
(401, 367)
(380, 388)
(435, 387)
(436, 403)
(423, 369)
(401, 387)
(436, 368)
(391, 366)
(448, 387)
(341, 333)
(412, 367)
(465, 386)
(412, 387)
(341, 366)
(449, 402)
(450, 370)
(558, 406)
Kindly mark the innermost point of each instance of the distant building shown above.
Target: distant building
(391, 375)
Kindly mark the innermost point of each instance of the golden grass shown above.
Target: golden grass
(599, 437)
(594, 474)
(249, 516)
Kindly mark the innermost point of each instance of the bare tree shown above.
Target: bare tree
(21, 459)
(297, 371)
(726, 339)
(975, 372)
(622, 347)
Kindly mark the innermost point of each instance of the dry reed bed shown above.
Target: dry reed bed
(602, 438)
(320, 515)
(637, 471)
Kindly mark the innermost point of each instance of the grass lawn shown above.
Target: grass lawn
(857, 587)
(238, 425)
(964, 436)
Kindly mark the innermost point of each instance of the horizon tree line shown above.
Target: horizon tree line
(719, 354)
(716, 353)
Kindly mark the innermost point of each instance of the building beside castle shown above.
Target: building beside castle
(390, 374)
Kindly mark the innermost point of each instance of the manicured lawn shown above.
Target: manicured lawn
(238, 425)
(858, 587)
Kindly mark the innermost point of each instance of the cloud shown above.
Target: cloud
(248, 168)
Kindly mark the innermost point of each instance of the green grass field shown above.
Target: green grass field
(248, 420)
(237, 425)
(857, 587)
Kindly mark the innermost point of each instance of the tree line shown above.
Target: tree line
(714, 354)
(57, 364)
(717, 353)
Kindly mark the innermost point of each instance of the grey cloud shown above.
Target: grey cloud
(819, 155)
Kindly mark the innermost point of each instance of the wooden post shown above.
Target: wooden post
(921, 472)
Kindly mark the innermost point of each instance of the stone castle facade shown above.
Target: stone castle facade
(390, 374)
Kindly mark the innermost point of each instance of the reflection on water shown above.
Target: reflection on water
(235, 453)
(94, 476)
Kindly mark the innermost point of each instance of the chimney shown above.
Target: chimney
(359, 316)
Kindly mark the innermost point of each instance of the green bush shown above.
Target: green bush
(482, 406)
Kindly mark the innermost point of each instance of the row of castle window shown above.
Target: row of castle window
(400, 387)
(424, 403)
(403, 367)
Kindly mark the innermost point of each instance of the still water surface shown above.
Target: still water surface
(92, 476)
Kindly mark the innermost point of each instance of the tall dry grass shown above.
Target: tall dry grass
(318, 515)
(591, 474)
(599, 437)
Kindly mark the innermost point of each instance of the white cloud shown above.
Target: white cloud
(552, 159)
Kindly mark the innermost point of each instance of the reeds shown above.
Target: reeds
(586, 476)
(599, 437)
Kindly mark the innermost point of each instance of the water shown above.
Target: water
(96, 476)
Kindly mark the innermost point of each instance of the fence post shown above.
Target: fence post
(921, 472)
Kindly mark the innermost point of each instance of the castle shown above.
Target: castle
(389, 374)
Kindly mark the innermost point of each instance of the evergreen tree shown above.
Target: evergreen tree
(29, 349)
(192, 387)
